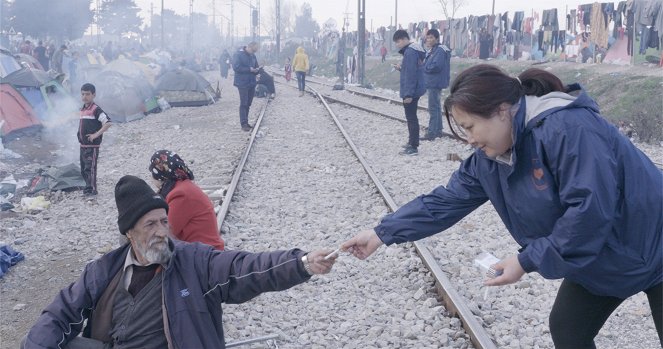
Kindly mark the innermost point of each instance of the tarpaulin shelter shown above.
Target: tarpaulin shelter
(8, 64)
(182, 87)
(28, 61)
(121, 97)
(15, 111)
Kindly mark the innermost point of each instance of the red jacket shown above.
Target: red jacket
(191, 215)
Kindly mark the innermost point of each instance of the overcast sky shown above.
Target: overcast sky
(377, 11)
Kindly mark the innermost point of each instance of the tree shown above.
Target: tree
(450, 7)
(59, 19)
(305, 25)
(117, 17)
(5, 15)
(288, 10)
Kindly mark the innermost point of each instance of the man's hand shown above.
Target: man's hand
(258, 77)
(396, 66)
(511, 272)
(363, 244)
(254, 70)
(92, 137)
(407, 100)
(317, 262)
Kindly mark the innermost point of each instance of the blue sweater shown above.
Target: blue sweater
(583, 202)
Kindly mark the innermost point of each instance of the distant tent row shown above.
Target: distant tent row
(126, 89)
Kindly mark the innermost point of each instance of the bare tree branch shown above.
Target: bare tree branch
(450, 7)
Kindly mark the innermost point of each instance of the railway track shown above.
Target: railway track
(452, 300)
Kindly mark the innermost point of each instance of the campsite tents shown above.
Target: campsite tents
(132, 69)
(15, 111)
(28, 61)
(121, 97)
(8, 64)
(182, 87)
(42, 92)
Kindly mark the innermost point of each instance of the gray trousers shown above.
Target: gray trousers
(79, 343)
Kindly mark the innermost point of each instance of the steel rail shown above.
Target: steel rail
(225, 205)
(452, 299)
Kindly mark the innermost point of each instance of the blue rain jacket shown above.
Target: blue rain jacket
(583, 202)
(412, 73)
(437, 67)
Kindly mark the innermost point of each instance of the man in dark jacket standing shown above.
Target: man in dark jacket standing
(158, 293)
(411, 85)
(245, 65)
(436, 75)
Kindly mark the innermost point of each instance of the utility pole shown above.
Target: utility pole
(278, 29)
(162, 25)
(232, 23)
(190, 41)
(152, 24)
(493, 13)
(214, 15)
(361, 32)
(396, 16)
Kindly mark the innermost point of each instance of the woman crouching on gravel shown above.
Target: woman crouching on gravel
(190, 214)
(583, 202)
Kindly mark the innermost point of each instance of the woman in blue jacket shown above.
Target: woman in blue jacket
(583, 202)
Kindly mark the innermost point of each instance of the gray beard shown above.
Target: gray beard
(158, 253)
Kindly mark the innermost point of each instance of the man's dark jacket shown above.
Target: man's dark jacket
(196, 281)
(242, 64)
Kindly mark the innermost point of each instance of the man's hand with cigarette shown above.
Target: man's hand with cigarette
(318, 264)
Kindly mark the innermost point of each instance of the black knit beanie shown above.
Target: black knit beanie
(134, 198)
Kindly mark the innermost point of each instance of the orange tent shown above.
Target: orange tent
(15, 111)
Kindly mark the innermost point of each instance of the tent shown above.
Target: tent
(28, 61)
(121, 97)
(182, 87)
(132, 69)
(27, 77)
(42, 92)
(8, 64)
(15, 111)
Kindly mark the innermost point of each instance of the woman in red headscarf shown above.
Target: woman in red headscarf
(190, 214)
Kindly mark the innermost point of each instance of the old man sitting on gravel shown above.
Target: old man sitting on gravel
(155, 292)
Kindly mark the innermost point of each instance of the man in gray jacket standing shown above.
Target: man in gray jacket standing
(436, 74)
(158, 293)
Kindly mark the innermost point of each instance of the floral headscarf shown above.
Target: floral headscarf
(168, 167)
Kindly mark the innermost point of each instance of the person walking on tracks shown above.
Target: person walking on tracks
(91, 127)
(246, 70)
(191, 214)
(582, 201)
(436, 75)
(155, 292)
(300, 64)
(412, 85)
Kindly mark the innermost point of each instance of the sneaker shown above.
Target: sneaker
(272, 96)
(246, 128)
(405, 146)
(409, 151)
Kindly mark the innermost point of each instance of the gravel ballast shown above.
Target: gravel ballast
(303, 187)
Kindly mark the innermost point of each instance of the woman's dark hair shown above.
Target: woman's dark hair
(481, 89)
(400, 34)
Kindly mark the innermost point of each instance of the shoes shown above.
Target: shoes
(90, 193)
(272, 96)
(409, 151)
(247, 128)
(405, 146)
(301, 93)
